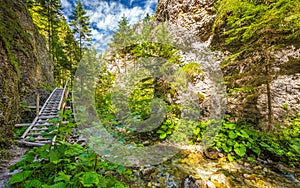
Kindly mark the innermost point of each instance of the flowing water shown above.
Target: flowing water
(192, 169)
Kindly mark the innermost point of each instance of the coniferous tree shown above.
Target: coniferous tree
(122, 39)
(80, 26)
(62, 45)
(49, 19)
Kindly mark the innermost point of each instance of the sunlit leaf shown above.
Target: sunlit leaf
(20, 177)
(240, 149)
(89, 179)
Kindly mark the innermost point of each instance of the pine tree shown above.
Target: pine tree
(145, 35)
(122, 39)
(48, 18)
(80, 26)
(51, 11)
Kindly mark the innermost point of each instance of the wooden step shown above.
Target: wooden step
(23, 142)
(41, 123)
(23, 125)
(48, 117)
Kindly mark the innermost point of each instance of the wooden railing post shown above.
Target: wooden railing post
(37, 102)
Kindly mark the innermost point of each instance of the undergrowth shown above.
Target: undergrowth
(67, 165)
(244, 142)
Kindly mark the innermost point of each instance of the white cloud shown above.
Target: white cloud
(66, 5)
(105, 15)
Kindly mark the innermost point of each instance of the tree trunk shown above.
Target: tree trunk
(80, 46)
(269, 94)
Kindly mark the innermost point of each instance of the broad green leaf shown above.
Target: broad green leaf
(240, 149)
(256, 149)
(163, 135)
(71, 166)
(89, 179)
(251, 159)
(62, 177)
(230, 157)
(54, 156)
(296, 144)
(34, 165)
(243, 134)
(229, 125)
(33, 184)
(232, 135)
(20, 177)
(197, 131)
(263, 144)
(121, 169)
(225, 148)
(230, 142)
(248, 144)
(75, 150)
(58, 185)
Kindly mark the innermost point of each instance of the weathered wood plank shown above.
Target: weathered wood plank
(23, 142)
(22, 125)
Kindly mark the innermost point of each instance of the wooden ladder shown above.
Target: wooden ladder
(41, 130)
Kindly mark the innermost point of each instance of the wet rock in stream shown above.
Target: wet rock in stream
(193, 169)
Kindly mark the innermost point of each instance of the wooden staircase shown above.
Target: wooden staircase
(42, 130)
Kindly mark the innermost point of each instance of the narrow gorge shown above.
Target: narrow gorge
(160, 94)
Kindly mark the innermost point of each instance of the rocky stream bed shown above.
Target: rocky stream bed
(192, 169)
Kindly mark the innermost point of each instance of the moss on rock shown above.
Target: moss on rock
(25, 64)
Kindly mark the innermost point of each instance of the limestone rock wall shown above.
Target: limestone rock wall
(24, 61)
(198, 16)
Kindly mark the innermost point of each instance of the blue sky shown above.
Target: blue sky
(105, 15)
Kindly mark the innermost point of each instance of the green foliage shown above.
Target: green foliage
(80, 26)
(18, 131)
(237, 141)
(200, 129)
(122, 37)
(171, 122)
(62, 46)
(147, 42)
(251, 30)
(240, 142)
(285, 106)
(66, 165)
(140, 98)
(246, 21)
(192, 70)
(166, 128)
(103, 94)
(20, 177)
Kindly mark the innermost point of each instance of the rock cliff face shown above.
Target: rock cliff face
(24, 61)
(198, 17)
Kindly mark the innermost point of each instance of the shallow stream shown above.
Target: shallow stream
(192, 169)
